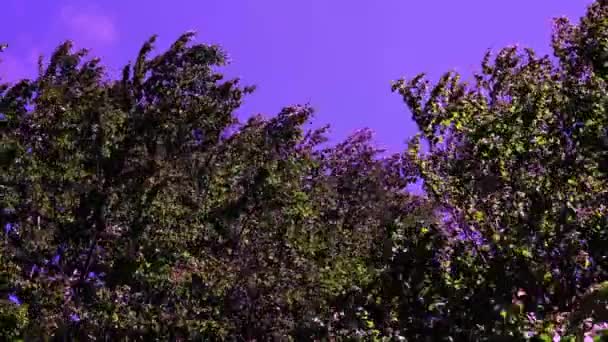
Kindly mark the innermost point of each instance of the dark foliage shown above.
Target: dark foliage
(141, 209)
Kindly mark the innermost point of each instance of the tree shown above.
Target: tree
(140, 208)
(519, 159)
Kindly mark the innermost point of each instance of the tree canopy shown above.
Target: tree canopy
(141, 209)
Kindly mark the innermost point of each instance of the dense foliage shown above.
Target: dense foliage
(519, 161)
(141, 209)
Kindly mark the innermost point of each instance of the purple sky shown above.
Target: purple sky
(337, 55)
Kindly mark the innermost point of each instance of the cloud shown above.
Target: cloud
(89, 24)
